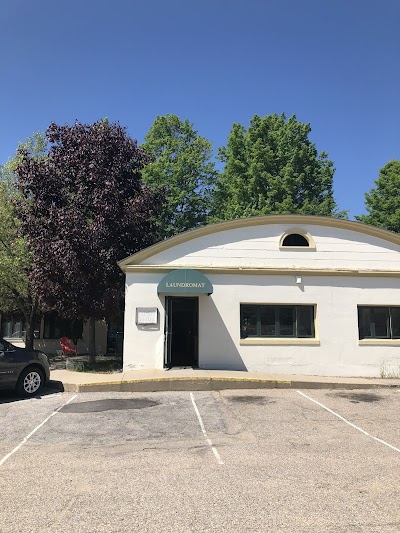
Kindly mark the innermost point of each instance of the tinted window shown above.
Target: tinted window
(295, 239)
(364, 322)
(267, 319)
(276, 320)
(248, 321)
(305, 321)
(12, 326)
(395, 321)
(286, 321)
(379, 322)
(55, 328)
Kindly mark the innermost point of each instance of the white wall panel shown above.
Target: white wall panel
(336, 297)
(258, 246)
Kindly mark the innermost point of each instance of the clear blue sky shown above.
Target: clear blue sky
(333, 63)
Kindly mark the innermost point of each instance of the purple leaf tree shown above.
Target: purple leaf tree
(84, 208)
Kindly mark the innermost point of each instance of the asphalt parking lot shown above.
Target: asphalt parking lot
(232, 461)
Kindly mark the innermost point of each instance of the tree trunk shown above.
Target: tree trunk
(30, 325)
(92, 340)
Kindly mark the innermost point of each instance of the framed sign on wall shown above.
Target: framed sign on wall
(147, 316)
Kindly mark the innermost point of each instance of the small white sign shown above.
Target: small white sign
(146, 316)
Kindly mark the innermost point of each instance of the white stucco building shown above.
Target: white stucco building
(282, 294)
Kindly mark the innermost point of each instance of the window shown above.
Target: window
(378, 322)
(13, 327)
(4, 346)
(295, 239)
(56, 327)
(276, 321)
(115, 337)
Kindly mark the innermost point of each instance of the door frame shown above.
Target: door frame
(168, 329)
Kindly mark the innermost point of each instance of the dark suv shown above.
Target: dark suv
(26, 371)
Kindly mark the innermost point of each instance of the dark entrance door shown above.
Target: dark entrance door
(182, 331)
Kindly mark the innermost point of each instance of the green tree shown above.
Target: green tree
(182, 167)
(383, 201)
(15, 257)
(273, 167)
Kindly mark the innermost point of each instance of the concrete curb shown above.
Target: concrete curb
(209, 384)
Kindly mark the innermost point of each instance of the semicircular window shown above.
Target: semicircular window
(295, 239)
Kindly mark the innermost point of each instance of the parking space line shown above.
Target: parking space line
(203, 429)
(6, 457)
(349, 423)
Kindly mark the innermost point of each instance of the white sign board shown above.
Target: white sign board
(146, 316)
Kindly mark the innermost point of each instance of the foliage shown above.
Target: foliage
(383, 201)
(181, 166)
(84, 208)
(273, 167)
(15, 257)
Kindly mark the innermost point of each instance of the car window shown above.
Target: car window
(4, 345)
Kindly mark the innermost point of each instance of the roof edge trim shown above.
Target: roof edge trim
(270, 271)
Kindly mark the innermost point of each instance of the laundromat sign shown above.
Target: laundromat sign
(185, 281)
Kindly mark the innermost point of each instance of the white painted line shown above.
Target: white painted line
(215, 452)
(203, 429)
(349, 423)
(6, 457)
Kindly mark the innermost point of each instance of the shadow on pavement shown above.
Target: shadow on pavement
(9, 396)
(55, 385)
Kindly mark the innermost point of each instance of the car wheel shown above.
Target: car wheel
(30, 382)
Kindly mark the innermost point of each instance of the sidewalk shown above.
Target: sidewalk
(187, 379)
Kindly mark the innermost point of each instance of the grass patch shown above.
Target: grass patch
(390, 370)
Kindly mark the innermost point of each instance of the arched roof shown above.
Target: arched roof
(359, 227)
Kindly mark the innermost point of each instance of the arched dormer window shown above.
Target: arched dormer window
(296, 238)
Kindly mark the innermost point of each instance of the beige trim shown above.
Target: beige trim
(298, 304)
(378, 305)
(264, 271)
(379, 342)
(259, 221)
(316, 328)
(297, 231)
(267, 341)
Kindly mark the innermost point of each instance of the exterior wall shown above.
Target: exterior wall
(52, 346)
(143, 345)
(258, 246)
(338, 352)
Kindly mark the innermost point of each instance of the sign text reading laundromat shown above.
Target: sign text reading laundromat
(185, 284)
